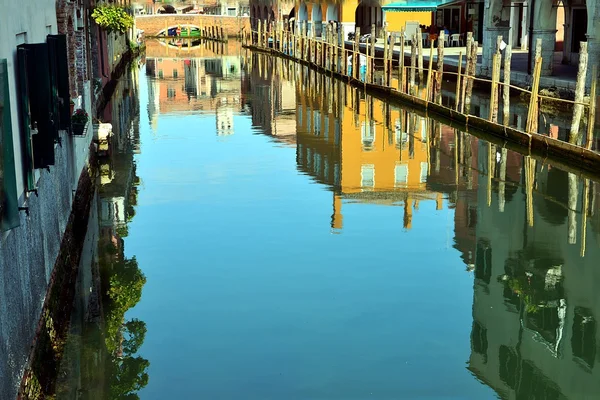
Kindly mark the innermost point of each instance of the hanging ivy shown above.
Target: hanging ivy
(112, 18)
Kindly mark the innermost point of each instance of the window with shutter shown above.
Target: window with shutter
(57, 51)
(36, 105)
(9, 212)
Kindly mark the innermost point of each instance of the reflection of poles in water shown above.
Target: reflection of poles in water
(407, 223)
(411, 136)
(469, 159)
(584, 214)
(456, 153)
(502, 183)
(337, 217)
(489, 174)
(388, 124)
(529, 182)
(438, 136)
(572, 215)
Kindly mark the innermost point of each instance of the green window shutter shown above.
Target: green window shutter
(22, 56)
(9, 211)
(40, 111)
(59, 63)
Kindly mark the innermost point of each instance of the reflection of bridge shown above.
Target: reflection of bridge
(153, 25)
(185, 48)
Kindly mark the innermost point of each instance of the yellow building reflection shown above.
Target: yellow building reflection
(382, 156)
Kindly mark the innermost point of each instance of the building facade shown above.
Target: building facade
(46, 67)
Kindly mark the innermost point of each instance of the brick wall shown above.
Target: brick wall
(64, 21)
(80, 56)
(153, 24)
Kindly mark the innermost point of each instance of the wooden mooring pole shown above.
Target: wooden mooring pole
(458, 79)
(420, 55)
(413, 62)
(592, 108)
(440, 66)
(506, 88)
(467, 70)
(579, 93)
(532, 114)
(401, 65)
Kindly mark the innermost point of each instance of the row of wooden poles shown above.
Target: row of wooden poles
(206, 32)
(330, 53)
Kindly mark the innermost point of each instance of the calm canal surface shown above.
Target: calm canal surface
(302, 241)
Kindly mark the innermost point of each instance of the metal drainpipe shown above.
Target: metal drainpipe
(530, 7)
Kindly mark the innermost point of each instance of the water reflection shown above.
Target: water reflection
(102, 358)
(528, 231)
(527, 234)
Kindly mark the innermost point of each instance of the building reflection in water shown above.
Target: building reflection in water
(528, 232)
(205, 78)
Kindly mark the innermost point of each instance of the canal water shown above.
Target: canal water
(266, 232)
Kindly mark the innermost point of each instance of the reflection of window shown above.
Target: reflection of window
(326, 168)
(545, 321)
(423, 130)
(472, 217)
(583, 341)
(336, 174)
(308, 120)
(338, 130)
(174, 73)
(317, 117)
(170, 93)
(299, 153)
(317, 164)
(509, 364)
(479, 342)
(401, 175)
(368, 135)
(367, 176)
(299, 113)
(401, 137)
(538, 386)
(483, 261)
(326, 130)
(424, 172)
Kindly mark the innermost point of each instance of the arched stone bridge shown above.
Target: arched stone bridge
(155, 25)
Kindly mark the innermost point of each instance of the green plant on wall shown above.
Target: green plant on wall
(112, 18)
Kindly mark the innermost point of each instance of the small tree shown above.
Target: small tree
(112, 18)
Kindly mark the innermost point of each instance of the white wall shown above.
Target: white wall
(36, 19)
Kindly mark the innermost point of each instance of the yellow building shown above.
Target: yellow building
(348, 14)
(381, 157)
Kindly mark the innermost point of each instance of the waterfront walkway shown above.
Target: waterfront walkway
(564, 75)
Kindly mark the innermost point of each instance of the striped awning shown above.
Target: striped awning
(411, 6)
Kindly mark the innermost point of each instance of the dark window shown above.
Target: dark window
(472, 217)
(583, 341)
(174, 73)
(483, 261)
(170, 93)
(509, 364)
(479, 342)
(35, 96)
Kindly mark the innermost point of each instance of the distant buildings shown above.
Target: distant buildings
(561, 25)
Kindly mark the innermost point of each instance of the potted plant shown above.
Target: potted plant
(72, 106)
(79, 121)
